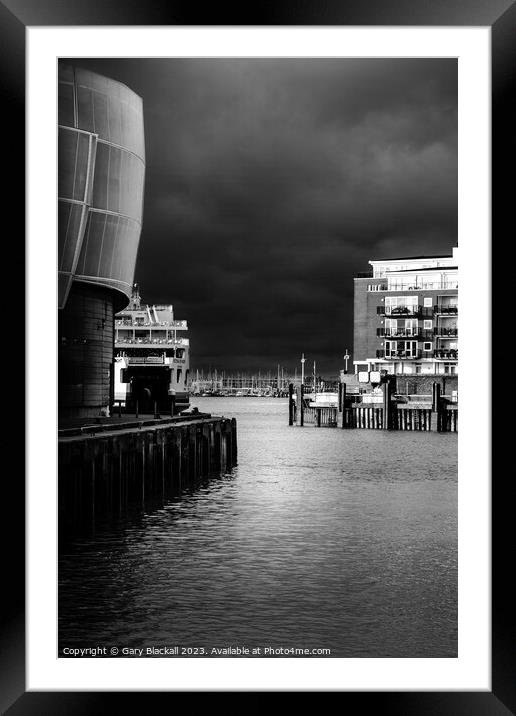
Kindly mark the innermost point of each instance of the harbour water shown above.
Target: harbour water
(343, 540)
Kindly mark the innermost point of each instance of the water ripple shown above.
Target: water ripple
(341, 539)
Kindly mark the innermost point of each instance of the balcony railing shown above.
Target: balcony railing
(446, 310)
(405, 311)
(446, 355)
(139, 360)
(151, 324)
(417, 333)
(123, 322)
(430, 286)
(399, 355)
(445, 332)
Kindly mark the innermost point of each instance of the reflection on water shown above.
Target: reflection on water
(320, 538)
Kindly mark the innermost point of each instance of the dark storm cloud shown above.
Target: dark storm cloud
(271, 182)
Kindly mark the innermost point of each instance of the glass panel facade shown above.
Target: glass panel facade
(63, 282)
(118, 184)
(109, 248)
(110, 119)
(69, 219)
(73, 148)
(111, 110)
(65, 108)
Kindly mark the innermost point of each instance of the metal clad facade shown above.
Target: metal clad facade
(101, 169)
(100, 182)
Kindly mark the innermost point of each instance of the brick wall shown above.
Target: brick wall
(413, 384)
(422, 384)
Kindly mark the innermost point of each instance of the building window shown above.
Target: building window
(427, 324)
(411, 327)
(399, 305)
(428, 301)
(400, 349)
(427, 346)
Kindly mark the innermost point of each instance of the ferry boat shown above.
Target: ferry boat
(152, 359)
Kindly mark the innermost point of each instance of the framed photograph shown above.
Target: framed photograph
(261, 174)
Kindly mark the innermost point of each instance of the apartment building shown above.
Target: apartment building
(406, 316)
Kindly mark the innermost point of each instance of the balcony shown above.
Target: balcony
(441, 354)
(415, 333)
(446, 310)
(399, 355)
(405, 311)
(444, 332)
(430, 286)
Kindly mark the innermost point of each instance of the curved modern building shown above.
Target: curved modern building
(101, 160)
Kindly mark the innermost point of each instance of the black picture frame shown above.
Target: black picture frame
(15, 16)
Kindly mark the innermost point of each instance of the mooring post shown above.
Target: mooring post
(136, 410)
(387, 419)
(234, 441)
(119, 408)
(436, 395)
(301, 405)
(193, 453)
(172, 405)
(179, 447)
(290, 404)
(342, 397)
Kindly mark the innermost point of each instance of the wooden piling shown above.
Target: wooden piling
(291, 404)
(104, 473)
(436, 396)
(234, 455)
(342, 398)
(387, 417)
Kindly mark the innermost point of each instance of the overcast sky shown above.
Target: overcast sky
(271, 182)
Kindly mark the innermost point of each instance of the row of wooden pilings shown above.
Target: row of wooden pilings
(390, 414)
(107, 474)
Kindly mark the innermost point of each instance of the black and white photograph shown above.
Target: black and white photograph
(258, 326)
(244, 464)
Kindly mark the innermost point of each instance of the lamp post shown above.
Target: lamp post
(346, 358)
(303, 369)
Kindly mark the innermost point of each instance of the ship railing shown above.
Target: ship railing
(145, 324)
(132, 360)
(153, 341)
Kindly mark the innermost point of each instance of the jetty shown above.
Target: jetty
(107, 467)
(377, 405)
